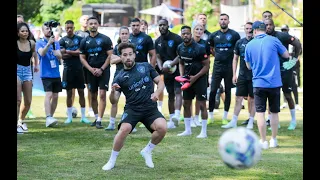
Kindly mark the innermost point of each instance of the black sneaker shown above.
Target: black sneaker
(246, 122)
(98, 125)
(268, 122)
(243, 108)
(94, 123)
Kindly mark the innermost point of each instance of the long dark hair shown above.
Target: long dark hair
(19, 25)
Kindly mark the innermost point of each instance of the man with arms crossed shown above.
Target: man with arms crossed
(262, 56)
(136, 81)
(95, 54)
(73, 72)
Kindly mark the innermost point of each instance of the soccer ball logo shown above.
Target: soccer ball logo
(74, 112)
(239, 148)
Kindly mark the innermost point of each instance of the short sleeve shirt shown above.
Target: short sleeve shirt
(72, 44)
(143, 44)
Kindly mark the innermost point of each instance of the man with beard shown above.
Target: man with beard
(194, 64)
(286, 66)
(49, 57)
(95, 53)
(222, 42)
(73, 71)
(244, 81)
(136, 82)
(166, 49)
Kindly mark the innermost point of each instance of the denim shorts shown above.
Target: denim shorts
(24, 73)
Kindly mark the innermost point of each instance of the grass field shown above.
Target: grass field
(78, 151)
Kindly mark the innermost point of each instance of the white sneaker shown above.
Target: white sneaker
(264, 145)
(196, 122)
(50, 122)
(273, 143)
(192, 123)
(170, 125)
(176, 120)
(185, 133)
(19, 130)
(91, 113)
(202, 135)
(250, 126)
(298, 107)
(284, 105)
(229, 125)
(148, 158)
(23, 125)
(134, 130)
(110, 165)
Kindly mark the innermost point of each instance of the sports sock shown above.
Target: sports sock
(114, 155)
(177, 113)
(69, 111)
(83, 112)
(234, 119)
(99, 119)
(293, 115)
(204, 126)
(225, 114)
(149, 147)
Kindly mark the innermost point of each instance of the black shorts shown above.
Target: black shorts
(101, 82)
(287, 80)
(73, 79)
(244, 88)
(85, 75)
(52, 85)
(172, 86)
(262, 95)
(198, 90)
(146, 117)
(158, 70)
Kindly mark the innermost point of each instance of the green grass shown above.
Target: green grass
(78, 151)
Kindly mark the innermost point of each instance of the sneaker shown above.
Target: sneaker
(91, 113)
(142, 125)
(30, 115)
(181, 118)
(243, 107)
(23, 126)
(192, 123)
(175, 120)
(94, 123)
(298, 107)
(19, 130)
(99, 125)
(185, 133)
(229, 125)
(50, 122)
(110, 165)
(245, 122)
(196, 122)
(85, 120)
(268, 122)
(148, 158)
(284, 105)
(134, 130)
(68, 121)
(202, 135)
(170, 125)
(250, 126)
(110, 127)
(210, 121)
(292, 126)
(225, 121)
(273, 143)
(264, 145)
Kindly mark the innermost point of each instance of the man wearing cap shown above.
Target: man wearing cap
(286, 66)
(262, 57)
(296, 74)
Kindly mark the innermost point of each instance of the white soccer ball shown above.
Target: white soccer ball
(172, 69)
(239, 148)
(74, 112)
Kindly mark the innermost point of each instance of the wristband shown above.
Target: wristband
(102, 69)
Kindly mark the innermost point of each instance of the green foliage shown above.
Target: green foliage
(99, 1)
(198, 6)
(177, 28)
(29, 9)
(51, 10)
(72, 13)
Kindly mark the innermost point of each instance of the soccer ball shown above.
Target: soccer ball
(239, 148)
(172, 69)
(74, 112)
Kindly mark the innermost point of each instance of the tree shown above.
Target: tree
(28, 9)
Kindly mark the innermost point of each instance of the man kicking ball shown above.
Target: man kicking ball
(136, 82)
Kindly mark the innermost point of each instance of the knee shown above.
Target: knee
(125, 129)
(162, 129)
